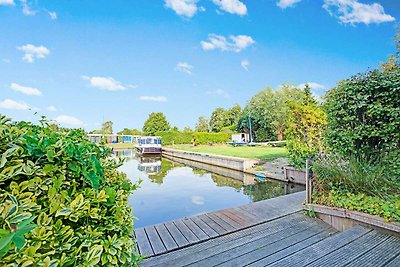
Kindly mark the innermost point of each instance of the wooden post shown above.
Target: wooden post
(308, 182)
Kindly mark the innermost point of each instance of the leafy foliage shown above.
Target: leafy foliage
(175, 137)
(307, 122)
(202, 125)
(62, 200)
(363, 114)
(156, 122)
(210, 138)
(221, 118)
(387, 207)
(268, 112)
(128, 131)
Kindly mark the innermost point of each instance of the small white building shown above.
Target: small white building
(240, 138)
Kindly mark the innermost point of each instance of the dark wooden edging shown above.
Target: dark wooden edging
(355, 216)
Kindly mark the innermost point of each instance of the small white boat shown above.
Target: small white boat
(149, 145)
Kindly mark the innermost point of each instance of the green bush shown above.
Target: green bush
(175, 137)
(363, 114)
(62, 200)
(387, 207)
(203, 138)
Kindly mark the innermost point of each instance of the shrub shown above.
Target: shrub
(175, 137)
(363, 114)
(63, 202)
(202, 138)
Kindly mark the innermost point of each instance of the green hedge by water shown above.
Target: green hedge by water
(175, 137)
(62, 200)
(205, 138)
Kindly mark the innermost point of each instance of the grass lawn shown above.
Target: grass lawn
(121, 145)
(260, 152)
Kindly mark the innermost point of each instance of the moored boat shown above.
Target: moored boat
(149, 145)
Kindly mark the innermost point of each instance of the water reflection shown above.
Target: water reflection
(174, 188)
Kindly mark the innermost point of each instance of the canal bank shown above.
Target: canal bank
(238, 164)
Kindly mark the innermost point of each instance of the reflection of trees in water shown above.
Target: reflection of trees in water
(166, 166)
(199, 171)
(226, 181)
(264, 190)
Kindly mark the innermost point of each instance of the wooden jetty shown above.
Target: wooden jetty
(267, 233)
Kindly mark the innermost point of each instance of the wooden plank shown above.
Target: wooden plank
(395, 262)
(322, 248)
(176, 234)
(221, 254)
(216, 227)
(166, 237)
(195, 229)
(258, 251)
(220, 222)
(380, 255)
(228, 220)
(192, 238)
(155, 240)
(143, 242)
(234, 217)
(271, 258)
(248, 216)
(352, 250)
(233, 238)
(207, 229)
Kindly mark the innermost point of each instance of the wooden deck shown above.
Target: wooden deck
(268, 233)
(292, 240)
(162, 238)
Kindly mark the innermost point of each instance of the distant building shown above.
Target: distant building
(113, 138)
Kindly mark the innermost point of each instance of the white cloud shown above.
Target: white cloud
(198, 200)
(219, 92)
(186, 8)
(184, 67)
(33, 52)
(245, 64)
(52, 14)
(12, 104)
(7, 2)
(232, 6)
(68, 120)
(351, 11)
(286, 3)
(238, 43)
(26, 9)
(51, 108)
(106, 83)
(153, 98)
(312, 85)
(26, 90)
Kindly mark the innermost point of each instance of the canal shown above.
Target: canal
(173, 188)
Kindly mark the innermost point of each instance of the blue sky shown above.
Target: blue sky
(82, 62)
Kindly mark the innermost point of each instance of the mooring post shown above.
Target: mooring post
(308, 181)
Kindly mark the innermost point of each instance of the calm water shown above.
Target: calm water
(171, 190)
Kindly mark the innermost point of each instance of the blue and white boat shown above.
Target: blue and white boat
(149, 145)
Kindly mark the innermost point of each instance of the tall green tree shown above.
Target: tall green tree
(218, 120)
(306, 125)
(128, 131)
(156, 122)
(202, 124)
(107, 127)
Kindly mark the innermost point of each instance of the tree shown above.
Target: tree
(306, 126)
(187, 130)
(268, 112)
(202, 124)
(218, 120)
(127, 131)
(156, 122)
(107, 127)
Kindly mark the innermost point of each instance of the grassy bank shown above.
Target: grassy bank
(260, 152)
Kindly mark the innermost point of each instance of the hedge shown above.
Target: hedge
(175, 137)
(204, 138)
(62, 200)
